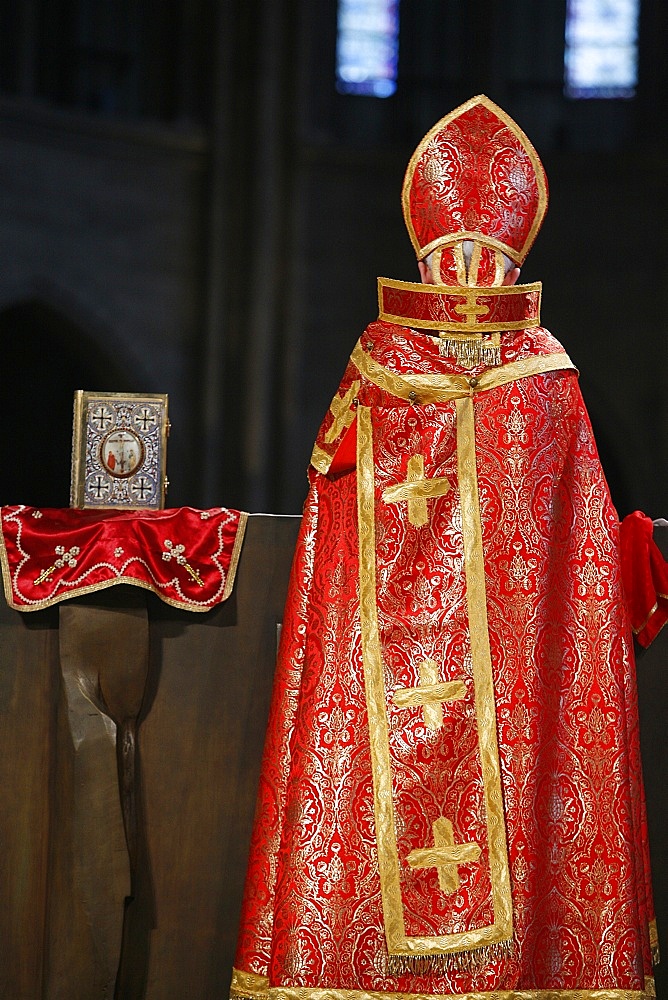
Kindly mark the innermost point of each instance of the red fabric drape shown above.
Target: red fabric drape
(187, 557)
(645, 575)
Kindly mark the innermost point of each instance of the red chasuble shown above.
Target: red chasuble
(451, 799)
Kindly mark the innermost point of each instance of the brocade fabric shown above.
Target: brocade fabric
(451, 799)
(475, 174)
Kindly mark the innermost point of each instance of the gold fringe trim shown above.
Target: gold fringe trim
(455, 961)
(471, 351)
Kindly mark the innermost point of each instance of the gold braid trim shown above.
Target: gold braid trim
(443, 388)
(483, 683)
(386, 844)
(236, 553)
(248, 984)
(266, 992)
(6, 572)
(320, 460)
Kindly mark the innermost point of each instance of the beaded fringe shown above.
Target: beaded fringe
(455, 961)
(471, 351)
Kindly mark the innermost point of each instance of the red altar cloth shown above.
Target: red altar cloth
(187, 557)
(645, 574)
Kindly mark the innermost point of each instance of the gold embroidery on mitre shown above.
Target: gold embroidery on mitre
(460, 263)
(416, 490)
(343, 415)
(445, 856)
(474, 265)
(430, 694)
(500, 267)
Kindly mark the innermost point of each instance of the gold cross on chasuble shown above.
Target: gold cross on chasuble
(431, 693)
(445, 856)
(416, 490)
(343, 415)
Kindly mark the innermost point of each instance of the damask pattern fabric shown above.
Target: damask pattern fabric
(475, 174)
(451, 800)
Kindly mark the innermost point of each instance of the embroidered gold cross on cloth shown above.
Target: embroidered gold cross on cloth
(416, 490)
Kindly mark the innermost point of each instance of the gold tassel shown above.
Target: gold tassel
(455, 961)
(471, 351)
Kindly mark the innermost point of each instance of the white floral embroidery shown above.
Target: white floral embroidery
(176, 552)
(67, 558)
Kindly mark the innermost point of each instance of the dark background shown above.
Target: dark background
(188, 206)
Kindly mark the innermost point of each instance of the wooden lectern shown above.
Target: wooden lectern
(92, 909)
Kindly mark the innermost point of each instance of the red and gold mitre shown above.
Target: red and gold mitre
(475, 176)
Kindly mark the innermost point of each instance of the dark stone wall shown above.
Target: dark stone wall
(101, 242)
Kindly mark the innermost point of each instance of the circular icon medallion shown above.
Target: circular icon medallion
(121, 453)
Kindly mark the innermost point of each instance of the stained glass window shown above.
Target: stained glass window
(367, 47)
(601, 55)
